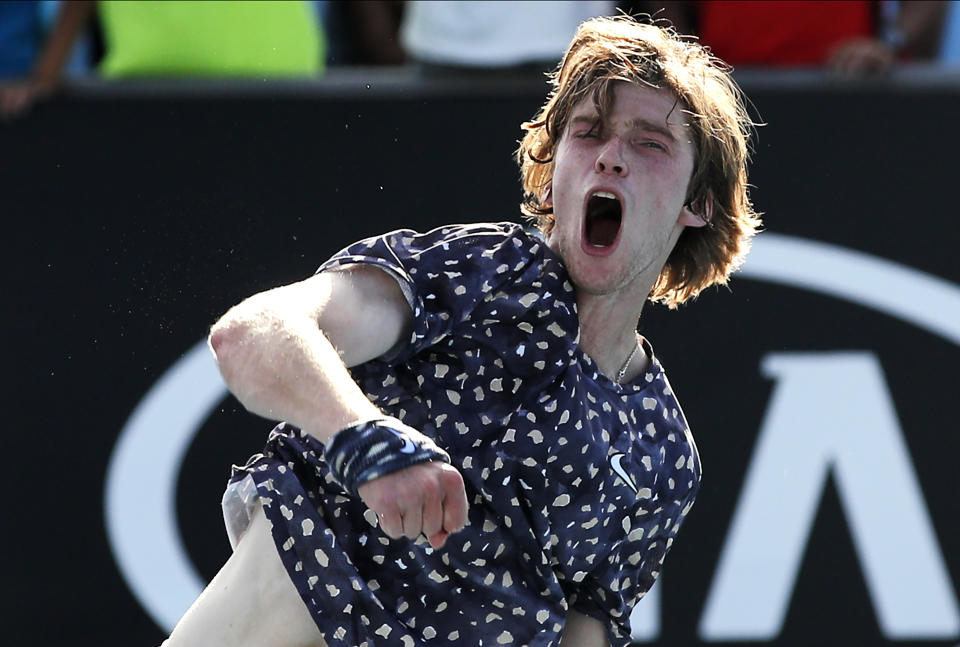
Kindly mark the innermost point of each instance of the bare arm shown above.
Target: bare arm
(284, 354)
(921, 24)
(71, 19)
(583, 631)
(919, 27)
(379, 24)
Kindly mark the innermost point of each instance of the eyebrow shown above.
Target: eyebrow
(652, 126)
(632, 124)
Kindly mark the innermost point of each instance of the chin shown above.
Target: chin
(593, 280)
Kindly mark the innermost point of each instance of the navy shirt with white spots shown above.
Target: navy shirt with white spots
(577, 485)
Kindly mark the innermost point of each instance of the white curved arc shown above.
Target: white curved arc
(140, 497)
(922, 299)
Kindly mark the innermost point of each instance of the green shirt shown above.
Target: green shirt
(210, 39)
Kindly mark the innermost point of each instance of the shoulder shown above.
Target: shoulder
(471, 259)
(483, 237)
(407, 248)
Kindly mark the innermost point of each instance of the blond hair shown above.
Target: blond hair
(609, 50)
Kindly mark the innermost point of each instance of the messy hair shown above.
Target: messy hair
(605, 51)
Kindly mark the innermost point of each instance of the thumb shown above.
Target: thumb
(439, 539)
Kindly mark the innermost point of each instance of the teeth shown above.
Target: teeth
(604, 194)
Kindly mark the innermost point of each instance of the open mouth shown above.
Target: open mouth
(604, 216)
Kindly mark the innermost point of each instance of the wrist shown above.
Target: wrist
(368, 449)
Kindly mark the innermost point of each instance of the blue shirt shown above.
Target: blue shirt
(21, 35)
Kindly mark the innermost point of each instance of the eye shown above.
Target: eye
(588, 134)
(653, 145)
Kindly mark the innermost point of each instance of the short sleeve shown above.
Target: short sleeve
(444, 273)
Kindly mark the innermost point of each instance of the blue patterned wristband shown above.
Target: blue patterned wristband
(369, 449)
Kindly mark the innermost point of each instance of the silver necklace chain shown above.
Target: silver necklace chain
(626, 364)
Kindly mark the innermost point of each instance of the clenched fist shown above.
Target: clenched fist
(428, 498)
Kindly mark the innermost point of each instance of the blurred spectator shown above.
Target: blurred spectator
(850, 38)
(20, 28)
(521, 38)
(950, 47)
(210, 39)
(364, 33)
(180, 39)
(24, 26)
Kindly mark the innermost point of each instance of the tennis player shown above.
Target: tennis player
(477, 447)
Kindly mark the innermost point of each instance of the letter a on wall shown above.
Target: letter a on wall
(830, 412)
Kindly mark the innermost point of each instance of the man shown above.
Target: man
(505, 462)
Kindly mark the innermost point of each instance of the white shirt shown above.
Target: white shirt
(493, 34)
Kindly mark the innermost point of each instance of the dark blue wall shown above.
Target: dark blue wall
(131, 220)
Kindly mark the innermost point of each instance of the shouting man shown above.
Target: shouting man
(477, 446)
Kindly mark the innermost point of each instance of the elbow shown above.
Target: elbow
(229, 340)
(222, 335)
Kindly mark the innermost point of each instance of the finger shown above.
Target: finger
(859, 62)
(836, 60)
(454, 502)
(439, 539)
(8, 100)
(852, 65)
(391, 523)
(843, 62)
(19, 104)
(849, 66)
(412, 520)
(882, 59)
(432, 510)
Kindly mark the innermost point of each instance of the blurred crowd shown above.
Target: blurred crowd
(44, 41)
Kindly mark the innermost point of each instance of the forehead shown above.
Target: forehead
(633, 103)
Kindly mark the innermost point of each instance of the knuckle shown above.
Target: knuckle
(431, 489)
(452, 478)
(386, 527)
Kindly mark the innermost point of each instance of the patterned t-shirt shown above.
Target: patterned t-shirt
(577, 485)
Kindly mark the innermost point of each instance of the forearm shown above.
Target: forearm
(283, 367)
(284, 354)
(70, 21)
(920, 24)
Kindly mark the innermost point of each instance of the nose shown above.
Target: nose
(610, 159)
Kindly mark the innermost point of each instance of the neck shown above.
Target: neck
(608, 332)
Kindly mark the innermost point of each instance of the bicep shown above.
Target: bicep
(366, 313)
(583, 631)
(360, 308)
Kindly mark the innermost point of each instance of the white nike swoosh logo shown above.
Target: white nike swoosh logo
(622, 473)
(408, 446)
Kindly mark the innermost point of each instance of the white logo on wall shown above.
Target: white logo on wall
(752, 586)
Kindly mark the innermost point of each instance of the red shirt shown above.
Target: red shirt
(784, 32)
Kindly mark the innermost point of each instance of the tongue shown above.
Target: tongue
(602, 231)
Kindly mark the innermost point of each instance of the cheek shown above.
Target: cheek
(564, 210)
(560, 166)
(674, 180)
(562, 192)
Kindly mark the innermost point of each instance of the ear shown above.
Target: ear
(690, 218)
(546, 195)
